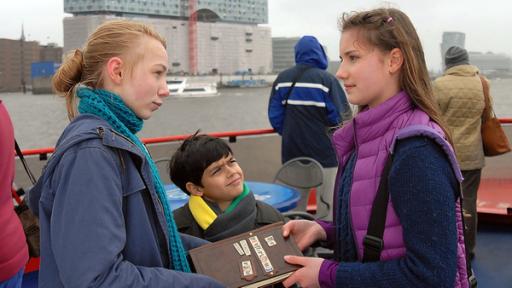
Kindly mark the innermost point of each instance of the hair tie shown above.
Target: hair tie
(78, 53)
(79, 58)
(389, 20)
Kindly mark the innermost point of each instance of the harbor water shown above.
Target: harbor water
(39, 119)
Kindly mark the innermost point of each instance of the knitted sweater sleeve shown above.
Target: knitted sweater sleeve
(422, 189)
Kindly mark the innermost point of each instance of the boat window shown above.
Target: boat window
(194, 90)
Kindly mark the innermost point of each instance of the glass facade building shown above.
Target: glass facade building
(237, 11)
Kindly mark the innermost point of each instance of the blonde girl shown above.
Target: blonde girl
(105, 220)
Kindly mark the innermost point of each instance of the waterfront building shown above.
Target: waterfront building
(283, 53)
(451, 39)
(235, 11)
(491, 64)
(15, 60)
(50, 53)
(227, 37)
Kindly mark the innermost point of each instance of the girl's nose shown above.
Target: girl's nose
(341, 73)
(163, 91)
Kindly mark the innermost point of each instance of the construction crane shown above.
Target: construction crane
(192, 36)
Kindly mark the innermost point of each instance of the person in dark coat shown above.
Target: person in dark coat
(305, 114)
(221, 205)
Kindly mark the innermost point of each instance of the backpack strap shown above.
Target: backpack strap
(27, 169)
(373, 242)
(297, 78)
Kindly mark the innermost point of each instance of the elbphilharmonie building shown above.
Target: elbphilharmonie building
(203, 36)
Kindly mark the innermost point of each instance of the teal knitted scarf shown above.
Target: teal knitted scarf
(112, 109)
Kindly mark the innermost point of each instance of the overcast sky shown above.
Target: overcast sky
(487, 24)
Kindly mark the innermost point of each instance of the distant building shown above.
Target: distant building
(228, 39)
(283, 53)
(451, 39)
(50, 53)
(491, 64)
(236, 11)
(15, 61)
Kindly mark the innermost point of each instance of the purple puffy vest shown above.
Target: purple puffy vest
(373, 133)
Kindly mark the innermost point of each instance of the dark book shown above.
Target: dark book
(251, 259)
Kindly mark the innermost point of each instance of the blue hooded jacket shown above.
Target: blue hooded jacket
(315, 104)
(308, 51)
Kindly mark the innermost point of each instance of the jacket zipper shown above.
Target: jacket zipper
(100, 131)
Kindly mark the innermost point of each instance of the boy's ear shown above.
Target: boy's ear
(193, 189)
(396, 60)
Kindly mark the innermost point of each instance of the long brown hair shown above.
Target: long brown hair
(389, 28)
(111, 39)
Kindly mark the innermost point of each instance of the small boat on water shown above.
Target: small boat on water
(180, 87)
(247, 83)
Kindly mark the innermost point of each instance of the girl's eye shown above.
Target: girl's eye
(353, 58)
(215, 171)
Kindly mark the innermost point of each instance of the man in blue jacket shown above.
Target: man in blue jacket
(304, 103)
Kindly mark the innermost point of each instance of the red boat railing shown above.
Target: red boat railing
(174, 138)
(227, 134)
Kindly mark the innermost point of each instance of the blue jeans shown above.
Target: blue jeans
(14, 281)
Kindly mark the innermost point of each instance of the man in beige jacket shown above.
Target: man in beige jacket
(460, 97)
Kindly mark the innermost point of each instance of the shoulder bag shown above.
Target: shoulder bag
(494, 139)
(28, 220)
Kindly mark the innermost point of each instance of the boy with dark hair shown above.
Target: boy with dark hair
(220, 204)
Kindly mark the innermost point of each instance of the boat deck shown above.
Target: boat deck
(495, 198)
(492, 264)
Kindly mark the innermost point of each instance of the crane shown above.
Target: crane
(192, 36)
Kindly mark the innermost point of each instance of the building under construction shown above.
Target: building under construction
(203, 36)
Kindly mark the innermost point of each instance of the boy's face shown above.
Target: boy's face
(222, 181)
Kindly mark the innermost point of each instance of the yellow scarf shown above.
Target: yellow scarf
(204, 215)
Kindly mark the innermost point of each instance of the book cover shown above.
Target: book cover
(251, 259)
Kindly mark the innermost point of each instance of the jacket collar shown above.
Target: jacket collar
(462, 70)
(82, 128)
(372, 123)
(88, 126)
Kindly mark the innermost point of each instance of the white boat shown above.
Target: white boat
(179, 87)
